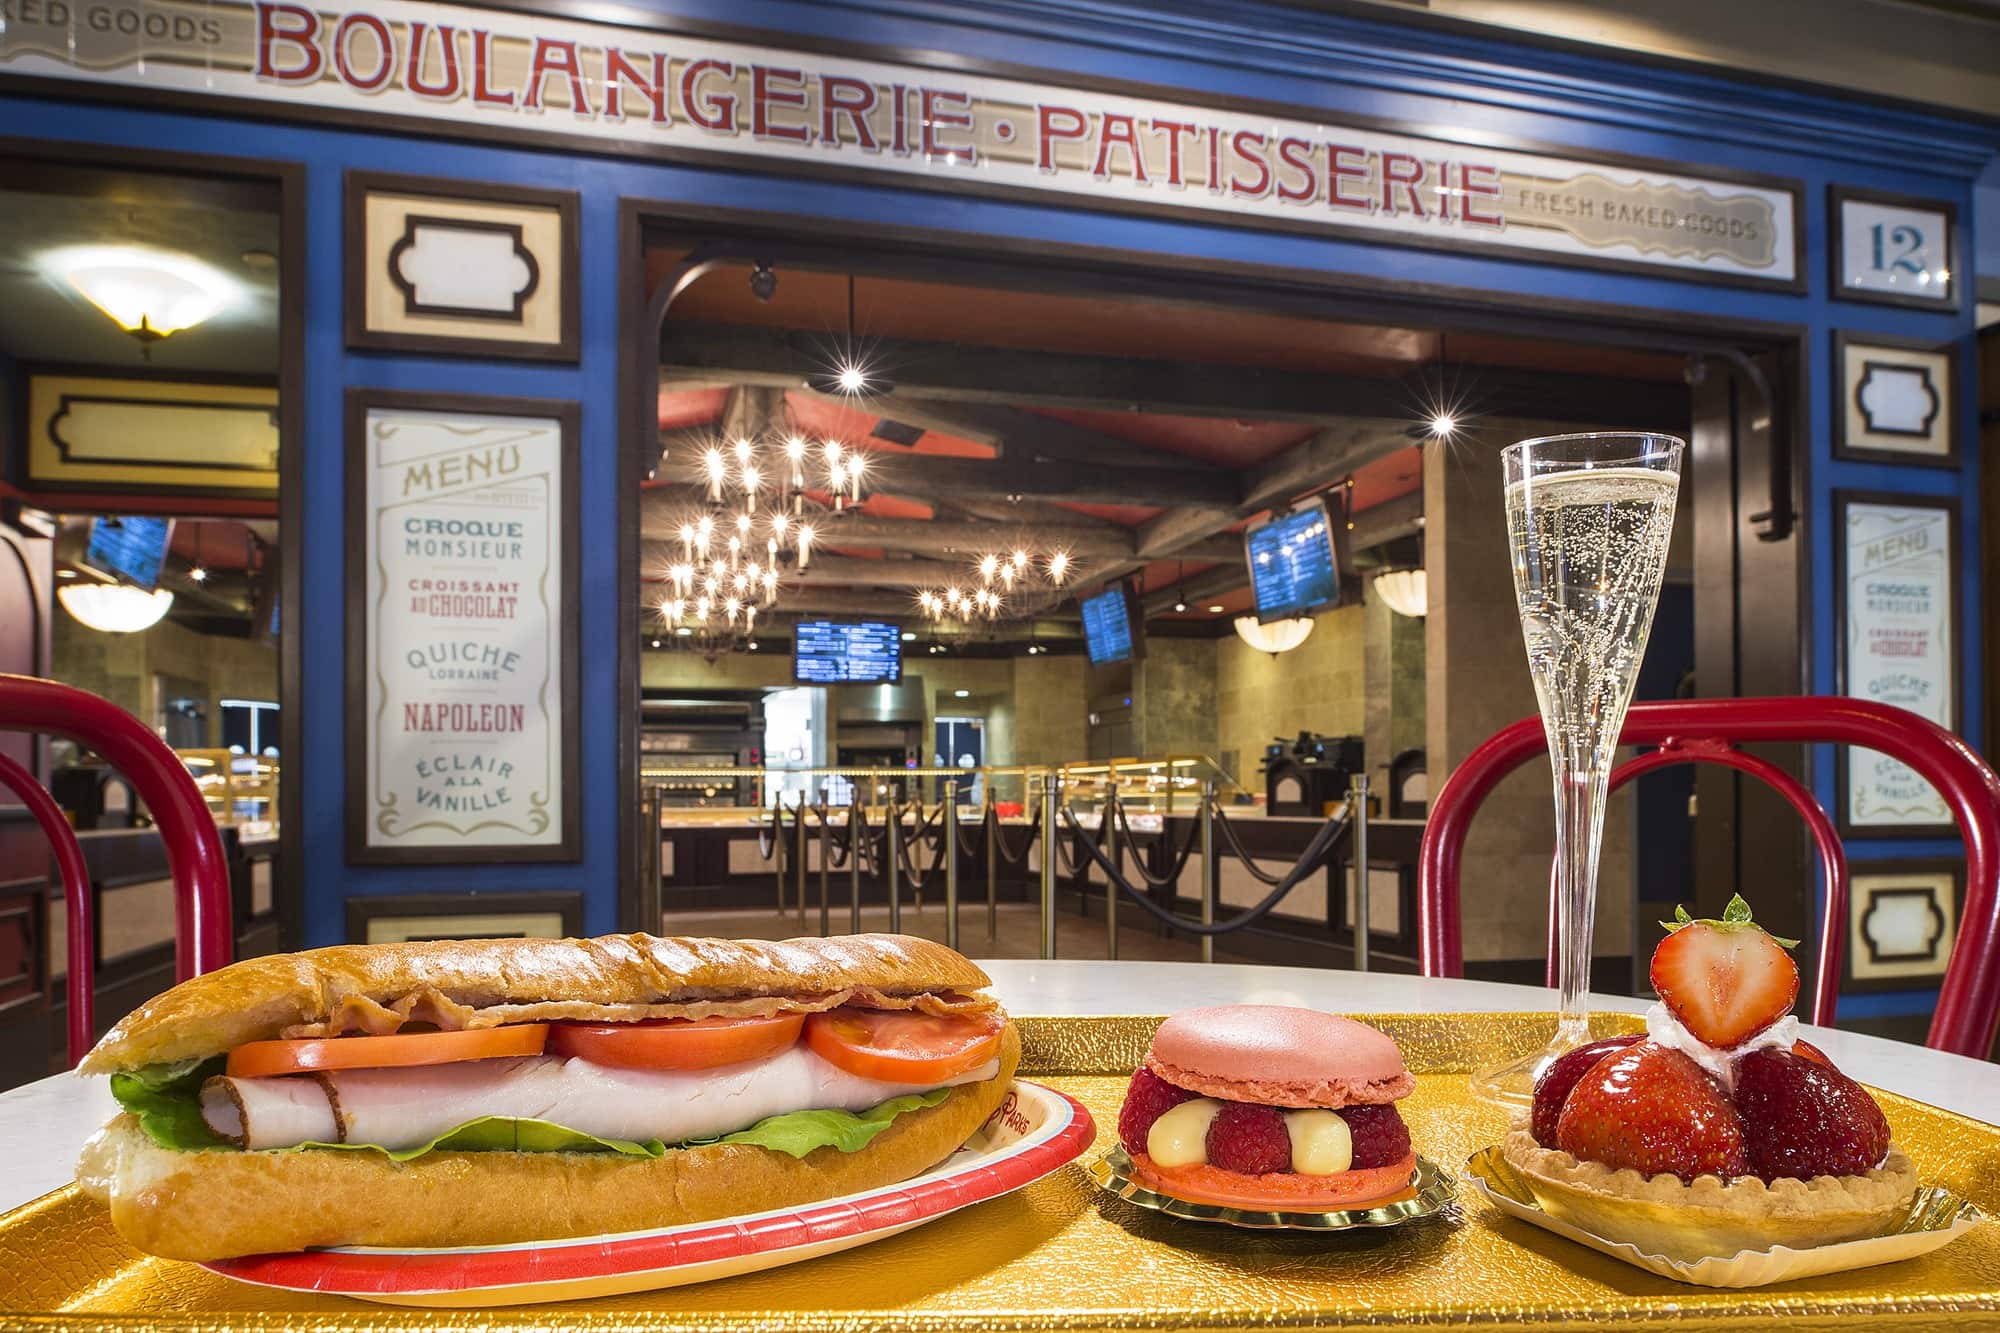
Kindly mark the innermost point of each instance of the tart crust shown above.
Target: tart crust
(1711, 1217)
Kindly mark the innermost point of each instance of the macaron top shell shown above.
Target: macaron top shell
(1279, 1056)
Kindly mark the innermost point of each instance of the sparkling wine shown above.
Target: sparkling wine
(1589, 549)
(1588, 521)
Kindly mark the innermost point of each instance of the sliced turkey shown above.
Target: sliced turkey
(402, 1108)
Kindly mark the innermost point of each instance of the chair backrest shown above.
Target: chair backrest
(1708, 730)
(195, 858)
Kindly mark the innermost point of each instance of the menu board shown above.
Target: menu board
(466, 650)
(1292, 566)
(1107, 626)
(828, 652)
(1898, 648)
(132, 548)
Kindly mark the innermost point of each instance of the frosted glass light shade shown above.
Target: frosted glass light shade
(142, 288)
(114, 608)
(1279, 636)
(1406, 591)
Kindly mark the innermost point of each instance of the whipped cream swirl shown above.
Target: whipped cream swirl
(1662, 1027)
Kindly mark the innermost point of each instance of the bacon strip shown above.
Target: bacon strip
(359, 1014)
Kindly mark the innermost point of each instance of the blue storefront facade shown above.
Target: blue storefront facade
(1470, 92)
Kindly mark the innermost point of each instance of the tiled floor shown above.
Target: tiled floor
(1018, 935)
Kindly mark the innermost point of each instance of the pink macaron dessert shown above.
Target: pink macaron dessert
(1261, 1106)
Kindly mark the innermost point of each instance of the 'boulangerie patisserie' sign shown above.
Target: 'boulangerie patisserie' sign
(463, 587)
(501, 71)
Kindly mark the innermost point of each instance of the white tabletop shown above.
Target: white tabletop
(43, 1125)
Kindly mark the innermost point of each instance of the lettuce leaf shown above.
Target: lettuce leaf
(800, 1132)
(167, 1101)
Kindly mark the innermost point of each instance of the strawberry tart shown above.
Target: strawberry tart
(1720, 1130)
(1264, 1107)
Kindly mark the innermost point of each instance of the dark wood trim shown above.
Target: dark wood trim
(918, 59)
(1923, 865)
(361, 909)
(358, 185)
(413, 306)
(359, 401)
(1948, 395)
(1836, 195)
(26, 428)
(1949, 504)
(638, 427)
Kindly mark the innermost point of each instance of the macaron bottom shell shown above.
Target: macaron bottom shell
(1280, 1190)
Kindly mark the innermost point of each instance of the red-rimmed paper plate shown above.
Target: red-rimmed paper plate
(1036, 1131)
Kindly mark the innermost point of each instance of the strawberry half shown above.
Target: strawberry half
(1725, 980)
(1652, 1109)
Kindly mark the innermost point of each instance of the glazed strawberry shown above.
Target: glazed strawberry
(1803, 1119)
(1725, 980)
(1380, 1136)
(1552, 1089)
(1811, 1052)
(1652, 1109)
(1146, 1100)
(1249, 1138)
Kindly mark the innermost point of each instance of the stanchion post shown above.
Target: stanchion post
(777, 809)
(1209, 871)
(989, 825)
(1110, 818)
(1357, 807)
(799, 870)
(823, 809)
(853, 864)
(1050, 795)
(951, 863)
(891, 874)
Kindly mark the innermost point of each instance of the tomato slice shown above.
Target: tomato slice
(259, 1059)
(676, 1043)
(903, 1046)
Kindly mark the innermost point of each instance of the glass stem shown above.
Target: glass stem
(1579, 833)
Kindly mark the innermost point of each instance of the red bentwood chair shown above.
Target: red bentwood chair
(194, 849)
(1708, 731)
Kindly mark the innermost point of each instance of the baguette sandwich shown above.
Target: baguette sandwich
(495, 1091)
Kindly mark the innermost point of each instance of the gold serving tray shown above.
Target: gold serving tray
(1064, 1253)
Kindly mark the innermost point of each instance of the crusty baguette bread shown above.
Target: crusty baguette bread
(214, 1205)
(517, 979)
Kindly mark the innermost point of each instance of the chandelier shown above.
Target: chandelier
(996, 585)
(760, 520)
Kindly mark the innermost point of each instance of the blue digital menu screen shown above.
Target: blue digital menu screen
(131, 548)
(832, 652)
(1107, 626)
(1292, 565)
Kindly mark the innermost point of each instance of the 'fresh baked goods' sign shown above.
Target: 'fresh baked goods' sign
(512, 74)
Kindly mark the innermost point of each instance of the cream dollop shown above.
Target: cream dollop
(1666, 1030)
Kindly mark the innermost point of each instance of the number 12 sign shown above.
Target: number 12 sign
(1894, 250)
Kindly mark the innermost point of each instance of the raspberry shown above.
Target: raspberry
(1149, 1098)
(1250, 1139)
(1380, 1136)
(1553, 1088)
(1803, 1119)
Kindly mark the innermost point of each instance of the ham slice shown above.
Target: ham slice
(402, 1108)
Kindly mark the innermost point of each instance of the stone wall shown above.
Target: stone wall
(1174, 698)
(1049, 708)
(1318, 686)
(1479, 683)
(121, 667)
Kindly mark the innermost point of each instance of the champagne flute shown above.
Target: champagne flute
(1588, 521)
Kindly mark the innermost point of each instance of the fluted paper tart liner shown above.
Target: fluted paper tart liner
(1910, 1224)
